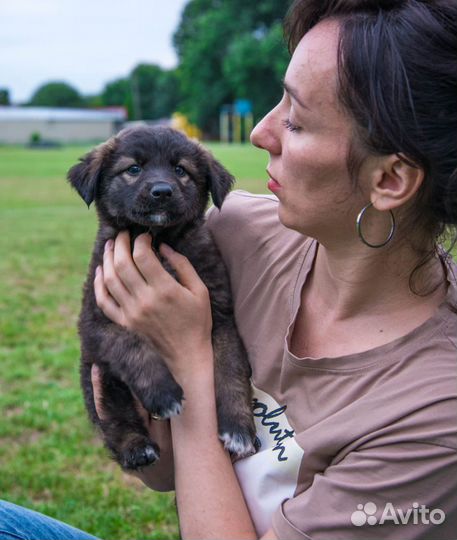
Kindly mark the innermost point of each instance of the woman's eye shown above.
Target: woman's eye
(288, 125)
(134, 170)
(180, 171)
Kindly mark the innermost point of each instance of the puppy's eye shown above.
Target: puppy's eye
(180, 171)
(134, 170)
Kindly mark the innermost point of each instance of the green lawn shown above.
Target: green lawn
(50, 459)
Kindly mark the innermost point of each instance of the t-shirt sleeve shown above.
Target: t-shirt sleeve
(398, 491)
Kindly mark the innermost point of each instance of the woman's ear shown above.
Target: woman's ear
(395, 181)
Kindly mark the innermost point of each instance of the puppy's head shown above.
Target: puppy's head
(152, 177)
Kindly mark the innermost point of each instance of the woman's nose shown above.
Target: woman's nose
(266, 133)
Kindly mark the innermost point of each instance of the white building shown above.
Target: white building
(19, 124)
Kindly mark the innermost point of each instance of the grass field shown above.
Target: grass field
(50, 459)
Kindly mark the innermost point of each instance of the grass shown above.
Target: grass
(50, 458)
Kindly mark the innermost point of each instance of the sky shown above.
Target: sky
(85, 43)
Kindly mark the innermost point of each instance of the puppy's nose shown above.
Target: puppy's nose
(161, 190)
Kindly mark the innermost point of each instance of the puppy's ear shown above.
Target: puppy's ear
(85, 175)
(220, 181)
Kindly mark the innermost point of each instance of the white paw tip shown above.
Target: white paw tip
(174, 410)
(237, 444)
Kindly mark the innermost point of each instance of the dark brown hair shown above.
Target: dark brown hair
(397, 68)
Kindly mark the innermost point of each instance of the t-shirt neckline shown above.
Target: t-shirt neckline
(363, 359)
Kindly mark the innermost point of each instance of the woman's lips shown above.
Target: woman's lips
(273, 184)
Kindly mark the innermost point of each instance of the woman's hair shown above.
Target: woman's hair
(397, 70)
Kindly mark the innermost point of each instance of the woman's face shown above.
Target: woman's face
(307, 136)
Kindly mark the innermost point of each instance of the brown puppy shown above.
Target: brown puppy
(157, 180)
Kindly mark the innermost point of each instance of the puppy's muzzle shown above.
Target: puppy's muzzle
(161, 191)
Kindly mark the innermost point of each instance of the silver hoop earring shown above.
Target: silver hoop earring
(359, 228)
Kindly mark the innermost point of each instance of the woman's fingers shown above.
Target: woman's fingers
(97, 388)
(96, 377)
(186, 273)
(144, 414)
(105, 300)
(147, 261)
(144, 269)
(111, 279)
(124, 266)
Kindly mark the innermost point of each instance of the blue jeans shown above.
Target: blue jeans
(18, 523)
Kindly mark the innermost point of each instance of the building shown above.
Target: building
(21, 125)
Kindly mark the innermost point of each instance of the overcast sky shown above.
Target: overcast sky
(86, 43)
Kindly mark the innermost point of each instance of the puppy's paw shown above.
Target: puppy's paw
(165, 401)
(137, 455)
(174, 409)
(237, 428)
(239, 442)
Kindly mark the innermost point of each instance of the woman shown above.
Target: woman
(345, 302)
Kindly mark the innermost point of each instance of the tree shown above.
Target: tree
(57, 94)
(201, 43)
(155, 92)
(148, 93)
(4, 96)
(227, 48)
(93, 101)
(118, 93)
(257, 76)
(168, 93)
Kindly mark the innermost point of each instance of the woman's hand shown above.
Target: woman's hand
(138, 293)
(160, 475)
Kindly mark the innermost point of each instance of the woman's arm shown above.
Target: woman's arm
(209, 498)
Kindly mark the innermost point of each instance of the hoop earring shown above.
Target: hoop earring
(359, 228)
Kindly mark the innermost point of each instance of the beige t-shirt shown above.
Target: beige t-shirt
(358, 447)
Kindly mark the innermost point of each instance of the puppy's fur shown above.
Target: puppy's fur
(157, 180)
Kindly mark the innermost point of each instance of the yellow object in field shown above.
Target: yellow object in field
(181, 123)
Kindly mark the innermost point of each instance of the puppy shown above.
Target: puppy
(156, 180)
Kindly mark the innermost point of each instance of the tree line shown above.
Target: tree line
(227, 50)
